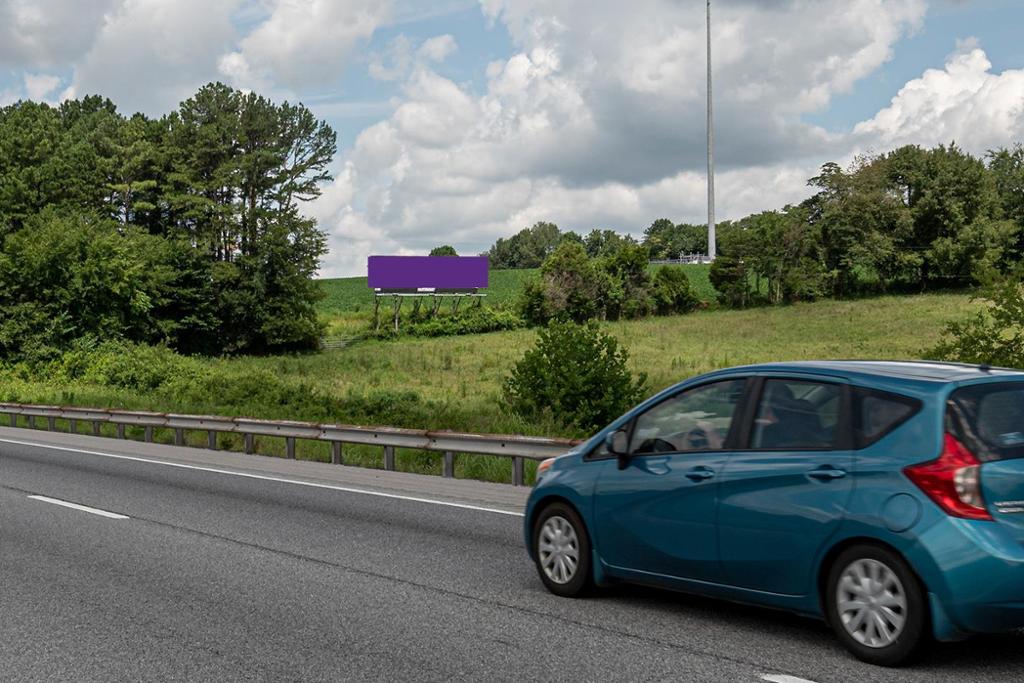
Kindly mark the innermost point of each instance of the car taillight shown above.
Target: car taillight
(953, 481)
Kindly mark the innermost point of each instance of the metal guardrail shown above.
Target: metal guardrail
(517, 448)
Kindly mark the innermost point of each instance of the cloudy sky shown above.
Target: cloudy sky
(460, 121)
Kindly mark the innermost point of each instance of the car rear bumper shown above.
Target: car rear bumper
(976, 575)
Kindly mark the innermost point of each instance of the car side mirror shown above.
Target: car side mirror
(617, 443)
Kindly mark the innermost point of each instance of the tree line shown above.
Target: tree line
(184, 229)
(911, 219)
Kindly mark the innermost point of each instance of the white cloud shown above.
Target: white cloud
(964, 101)
(304, 43)
(150, 54)
(38, 86)
(597, 119)
(9, 96)
(394, 62)
(438, 48)
(42, 33)
(399, 57)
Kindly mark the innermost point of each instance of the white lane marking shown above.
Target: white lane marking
(263, 477)
(82, 508)
(783, 678)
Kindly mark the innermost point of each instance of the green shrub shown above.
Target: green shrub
(575, 374)
(631, 282)
(123, 364)
(731, 279)
(471, 321)
(572, 286)
(993, 336)
(392, 407)
(672, 292)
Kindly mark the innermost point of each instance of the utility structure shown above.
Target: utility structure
(425, 277)
(712, 247)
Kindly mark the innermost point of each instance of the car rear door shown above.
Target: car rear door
(785, 493)
(989, 419)
(656, 516)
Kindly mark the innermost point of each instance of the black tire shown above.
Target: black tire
(916, 631)
(581, 581)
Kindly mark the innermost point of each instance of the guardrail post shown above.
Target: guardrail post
(31, 421)
(517, 470)
(73, 426)
(120, 431)
(211, 440)
(95, 428)
(250, 444)
(14, 419)
(51, 423)
(389, 458)
(449, 464)
(289, 447)
(179, 437)
(336, 455)
(149, 434)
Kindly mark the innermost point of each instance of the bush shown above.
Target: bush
(123, 364)
(471, 321)
(474, 320)
(572, 286)
(396, 408)
(993, 336)
(731, 279)
(631, 289)
(577, 375)
(672, 292)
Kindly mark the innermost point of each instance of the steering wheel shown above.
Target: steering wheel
(697, 439)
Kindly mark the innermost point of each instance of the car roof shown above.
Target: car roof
(913, 370)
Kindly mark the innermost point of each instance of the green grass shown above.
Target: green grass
(461, 377)
(351, 295)
(464, 374)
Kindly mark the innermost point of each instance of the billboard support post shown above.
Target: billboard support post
(417, 277)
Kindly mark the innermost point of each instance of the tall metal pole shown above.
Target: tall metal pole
(712, 250)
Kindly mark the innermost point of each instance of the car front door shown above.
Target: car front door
(656, 516)
(784, 494)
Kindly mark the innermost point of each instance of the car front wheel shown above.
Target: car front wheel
(876, 606)
(561, 548)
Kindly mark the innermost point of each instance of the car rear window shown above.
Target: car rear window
(878, 413)
(990, 418)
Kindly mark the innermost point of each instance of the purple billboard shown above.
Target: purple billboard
(427, 272)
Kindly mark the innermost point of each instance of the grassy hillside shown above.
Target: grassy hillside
(455, 382)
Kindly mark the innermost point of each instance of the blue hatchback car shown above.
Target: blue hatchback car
(884, 497)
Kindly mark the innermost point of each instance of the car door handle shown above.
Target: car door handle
(827, 473)
(700, 473)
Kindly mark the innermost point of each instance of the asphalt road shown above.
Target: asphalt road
(216, 576)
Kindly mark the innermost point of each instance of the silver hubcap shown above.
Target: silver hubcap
(558, 549)
(872, 603)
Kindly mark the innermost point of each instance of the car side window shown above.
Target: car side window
(797, 415)
(696, 419)
(877, 413)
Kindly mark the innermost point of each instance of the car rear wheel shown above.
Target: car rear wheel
(876, 606)
(561, 549)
